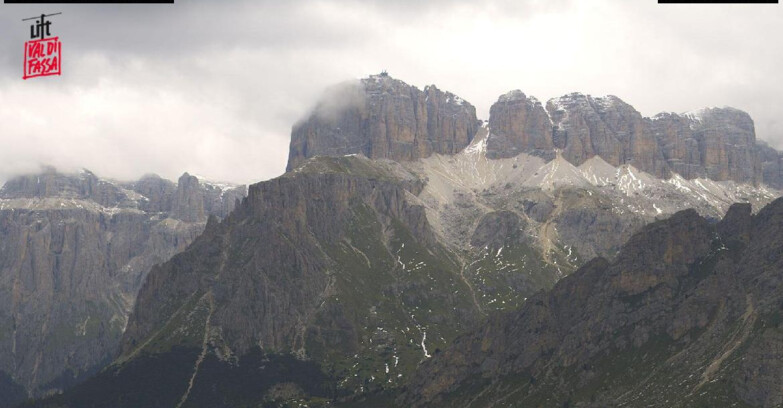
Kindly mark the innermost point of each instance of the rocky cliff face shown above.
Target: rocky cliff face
(334, 263)
(74, 250)
(328, 262)
(771, 165)
(519, 124)
(606, 127)
(688, 314)
(189, 200)
(382, 117)
(715, 143)
(720, 144)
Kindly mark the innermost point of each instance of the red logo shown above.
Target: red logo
(42, 57)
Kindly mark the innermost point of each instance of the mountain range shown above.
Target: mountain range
(74, 251)
(382, 117)
(413, 255)
(688, 314)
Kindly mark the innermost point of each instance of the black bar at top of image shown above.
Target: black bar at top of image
(88, 1)
(717, 1)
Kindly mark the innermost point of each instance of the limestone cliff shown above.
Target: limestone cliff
(519, 124)
(715, 143)
(382, 117)
(74, 250)
(771, 165)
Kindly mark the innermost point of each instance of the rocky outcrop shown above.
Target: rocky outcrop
(714, 143)
(158, 191)
(519, 124)
(580, 125)
(497, 229)
(332, 261)
(771, 165)
(718, 143)
(382, 117)
(74, 250)
(189, 200)
(687, 315)
(606, 127)
(49, 183)
(677, 144)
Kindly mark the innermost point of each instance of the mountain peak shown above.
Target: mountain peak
(513, 95)
(49, 182)
(695, 144)
(383, 117)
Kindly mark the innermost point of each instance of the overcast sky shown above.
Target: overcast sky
(213, 87)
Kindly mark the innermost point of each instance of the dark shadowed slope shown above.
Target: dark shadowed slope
(689, 314)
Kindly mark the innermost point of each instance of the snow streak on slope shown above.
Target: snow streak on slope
(518, 224)
(471, 170)
(462, 187)
(631, 180)
(625, 179)
(597, 171)
(557, 173)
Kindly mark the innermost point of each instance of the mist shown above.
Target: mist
(213, 88)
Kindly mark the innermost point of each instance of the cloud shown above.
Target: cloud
(213, 88)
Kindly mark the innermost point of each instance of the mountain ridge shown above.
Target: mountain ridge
(74, 249)
(686, 311)
(386, 118)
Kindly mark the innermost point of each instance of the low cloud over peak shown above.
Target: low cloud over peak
(214, 87)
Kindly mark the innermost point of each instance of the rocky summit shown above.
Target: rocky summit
(714, 143)
(413, 255)
(382, 117)
(74, 251)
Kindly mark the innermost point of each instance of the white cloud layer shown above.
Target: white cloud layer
(213, 87)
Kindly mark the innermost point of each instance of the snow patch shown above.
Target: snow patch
(424, 346)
